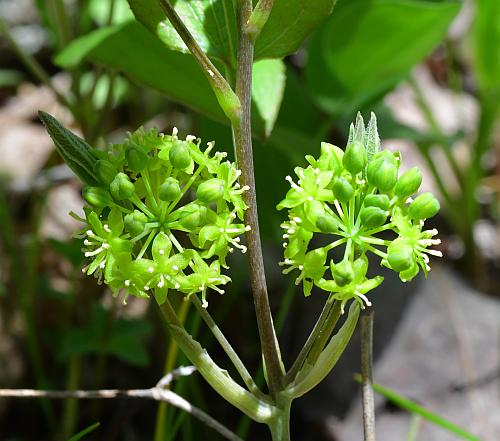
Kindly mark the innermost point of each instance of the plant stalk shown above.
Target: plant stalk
(228, 349)
(366, 375)
(242, 135)
(257, 409)
(223, 91)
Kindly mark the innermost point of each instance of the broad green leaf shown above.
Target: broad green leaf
(414, 408)
(366, 48)
(267, 91)
(289, 24)
(212, 23)
(84, 432)
(131, 49)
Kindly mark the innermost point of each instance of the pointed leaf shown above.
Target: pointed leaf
(73, 149)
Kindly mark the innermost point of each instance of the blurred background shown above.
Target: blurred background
(430, 70)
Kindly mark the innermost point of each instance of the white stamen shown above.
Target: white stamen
(127, 282)
(106, 228)
(190, 138)
(175, 131)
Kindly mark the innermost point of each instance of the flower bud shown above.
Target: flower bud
(210, 191)
(121, 187)
(105, 171)
(377, 200)
(327, 223)
(135, 222)
(372, 217)
(355, 157)
(382, 171)
(400, 255)
(137, 158)
(179, 155)
(169, 190)
(97, 197)
(342, 189)
(343, 272)
(424, 206)
(193, 216)
(408, 183)
(314, 263)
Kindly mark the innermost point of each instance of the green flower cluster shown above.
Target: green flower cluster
(354, 195)
(164, 216)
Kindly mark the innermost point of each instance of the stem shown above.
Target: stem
(169, 366)
(257, 409)
(242, 135)
(228, 349)
(259, 18)
(301, 358)
(223, 91)
(366, 375)
(70, 409)
(280, 426)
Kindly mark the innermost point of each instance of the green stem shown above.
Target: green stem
(228, 349)
(70, 409)
(257, 409)
(242, 135)
(280, 425)
(225, 96)
(170, 360)
(301, 358)
(366, 375)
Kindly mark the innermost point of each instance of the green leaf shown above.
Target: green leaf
(289, 24)
(131, 49)
(73, 149)
(84, 432)
(212, 23)
(486, 43)
(366, 48)
(268, 87)
(414, 408)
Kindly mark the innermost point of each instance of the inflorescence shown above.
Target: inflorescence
(164, 216)
(354, 195)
